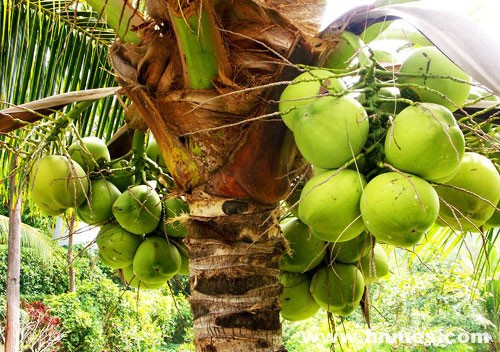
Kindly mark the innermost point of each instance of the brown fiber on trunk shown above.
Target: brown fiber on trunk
(229, 161)
(234, 264)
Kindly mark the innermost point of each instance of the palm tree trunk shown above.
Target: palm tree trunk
(208, 94)
(12, 328)
(234, 267)
(69, 257)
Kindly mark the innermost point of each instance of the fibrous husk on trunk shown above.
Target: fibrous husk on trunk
(234, 262)
(210, 125)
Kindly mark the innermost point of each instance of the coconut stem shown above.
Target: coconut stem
(234, 267)
(63, 122)
(120, 16)
(200, 44)
(138, 142)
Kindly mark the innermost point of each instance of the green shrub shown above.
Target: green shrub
(82, 329)
(175, 321)
(102, 316)
(38, 278)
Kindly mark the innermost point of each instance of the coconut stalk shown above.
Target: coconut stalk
(206, 99)
(69, 256)
(121, 16)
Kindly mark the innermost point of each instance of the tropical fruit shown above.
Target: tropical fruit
(344, 55)
(468, 199)
(304, 89)
(138, 209)
(318, 170)
(399, 208)
(120, 177)
(351, 251)
(49, 210)
(425, 140)
(57, 183)
(297, 302)
(175, 207)
(385, 57)
(481, 93)
(330, 131)
(408, 34)
(439, 77)
(98, 206)
(330, 205)
(132, 280)
(338, 288)
(374, 265)
(306, 251)
(117, 246)
(153, 152)
(156, 260)
(183, 251)
(92, 153)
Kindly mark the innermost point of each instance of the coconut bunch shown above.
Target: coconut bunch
(329, 275)
(141, 226)
(391, 155)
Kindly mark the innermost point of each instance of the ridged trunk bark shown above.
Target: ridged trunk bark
(234, 268)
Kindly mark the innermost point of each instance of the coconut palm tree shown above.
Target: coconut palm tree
(205, 77)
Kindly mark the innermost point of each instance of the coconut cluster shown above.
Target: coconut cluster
(330, 275)
(387, 165)
(140, 233)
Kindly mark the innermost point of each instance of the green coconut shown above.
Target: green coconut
(297, 302)
(330, 205)
(138, 209)
(305, 250)
(57, 183)
(117, 246)
(156, 260)
(398, 209)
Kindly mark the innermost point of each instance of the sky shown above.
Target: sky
(485, 12)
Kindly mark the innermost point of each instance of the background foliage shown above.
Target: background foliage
(437, 297)
(102, 315)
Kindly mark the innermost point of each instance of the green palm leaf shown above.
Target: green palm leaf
(48, 48)
(40, 244)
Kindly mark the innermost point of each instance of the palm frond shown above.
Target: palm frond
(18, 116)
(477, 253)
(41, 245)
(78, 15)
(49, 48)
